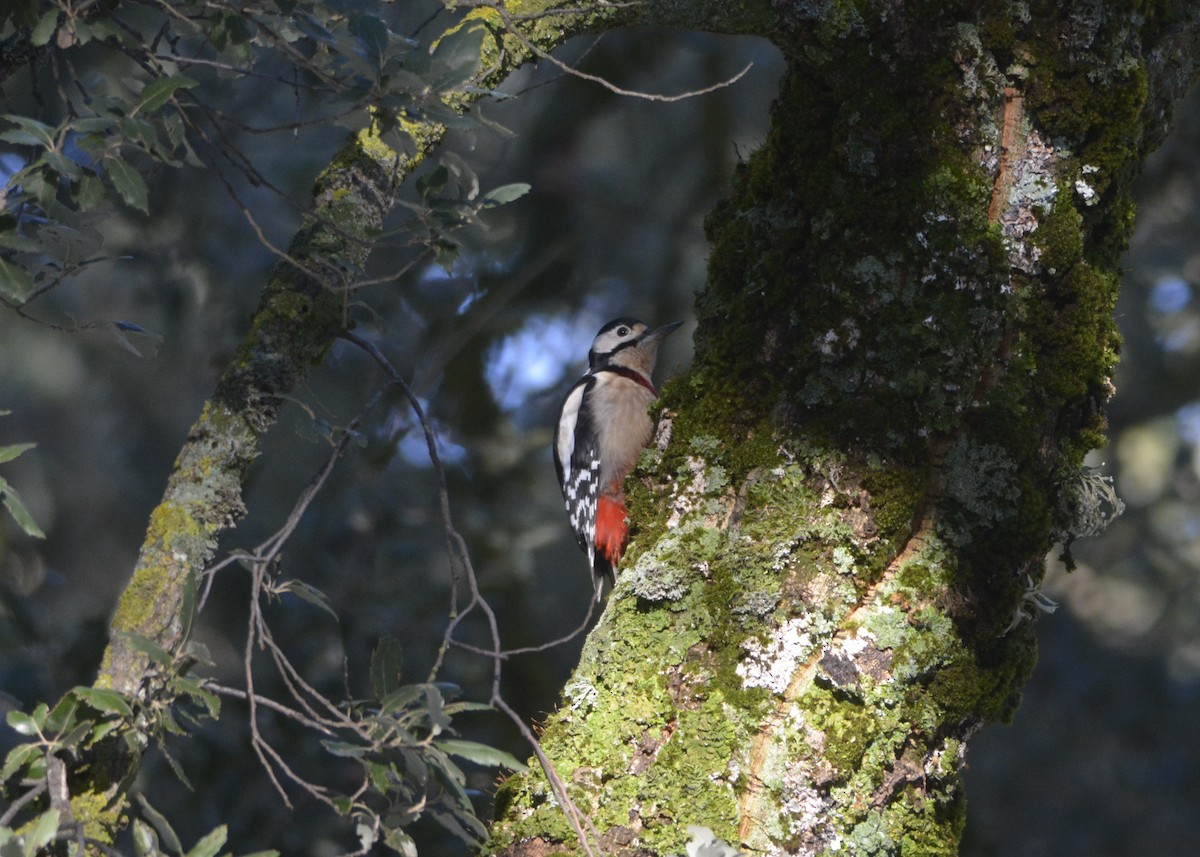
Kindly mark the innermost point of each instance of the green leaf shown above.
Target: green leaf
(197, 691)
(22, 722)
(458, 822)
(310, 593)
(150, 649)
(18, 757)
(61, 164)
(459, 707)
(210, 844)
(230, 30)
(29, 132)
(129, 184)
(431, 184)
(104, 700)
(161, 825)
(456, 55)
(73, 739)
(100, 732)
(145, 843)
(90, 193)
(67, 245)
(45, 192)
(62, 717)
(168, 723)
(176, 768)
(480, 754)
(82, 31)
(311, 27)
(387, 665)
(104, 29)
(435, 707)
(40, 832)
(504, 194)
(400, 698)
(8, 453)
(15, 281)
(44, 29)
(12, 502)
(401, 842)
(372, 35)
(341, 748)
(158, 92)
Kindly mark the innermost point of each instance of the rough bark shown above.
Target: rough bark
(903, 355)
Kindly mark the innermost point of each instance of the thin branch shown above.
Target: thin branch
(541, 53)
(267, 702)
(505, 654)
(15, 807)
(575, 816)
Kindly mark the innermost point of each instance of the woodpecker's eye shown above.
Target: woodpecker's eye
(622, 331)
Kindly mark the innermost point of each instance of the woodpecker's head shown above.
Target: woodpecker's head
(630, 343)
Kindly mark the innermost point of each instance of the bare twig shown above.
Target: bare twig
(34, 792)
(267, 702)
(575, 816)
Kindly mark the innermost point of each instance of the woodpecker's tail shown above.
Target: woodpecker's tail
(612, 532)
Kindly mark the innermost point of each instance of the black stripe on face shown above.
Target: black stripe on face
(617, 322)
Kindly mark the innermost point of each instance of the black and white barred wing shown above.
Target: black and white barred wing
(577, 461)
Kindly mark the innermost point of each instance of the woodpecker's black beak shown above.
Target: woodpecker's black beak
(660, 333)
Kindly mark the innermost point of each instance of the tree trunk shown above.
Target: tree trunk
(903, 355)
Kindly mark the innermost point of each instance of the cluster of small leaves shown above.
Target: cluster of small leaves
(9, 496)
(75, 167)
(407, 759)
(155, 839)
(449, 200)
(154, 107)
(81, 719)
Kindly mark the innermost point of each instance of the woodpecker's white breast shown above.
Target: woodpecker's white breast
(617, 408)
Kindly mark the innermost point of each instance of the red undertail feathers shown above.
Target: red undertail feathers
(612, 532)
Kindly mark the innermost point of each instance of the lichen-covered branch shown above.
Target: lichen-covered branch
(904, 353)
(298, 318)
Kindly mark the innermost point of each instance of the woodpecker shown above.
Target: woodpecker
(602, 429)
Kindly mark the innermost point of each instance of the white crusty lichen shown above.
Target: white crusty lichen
(772, 665)
(1034, 187)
